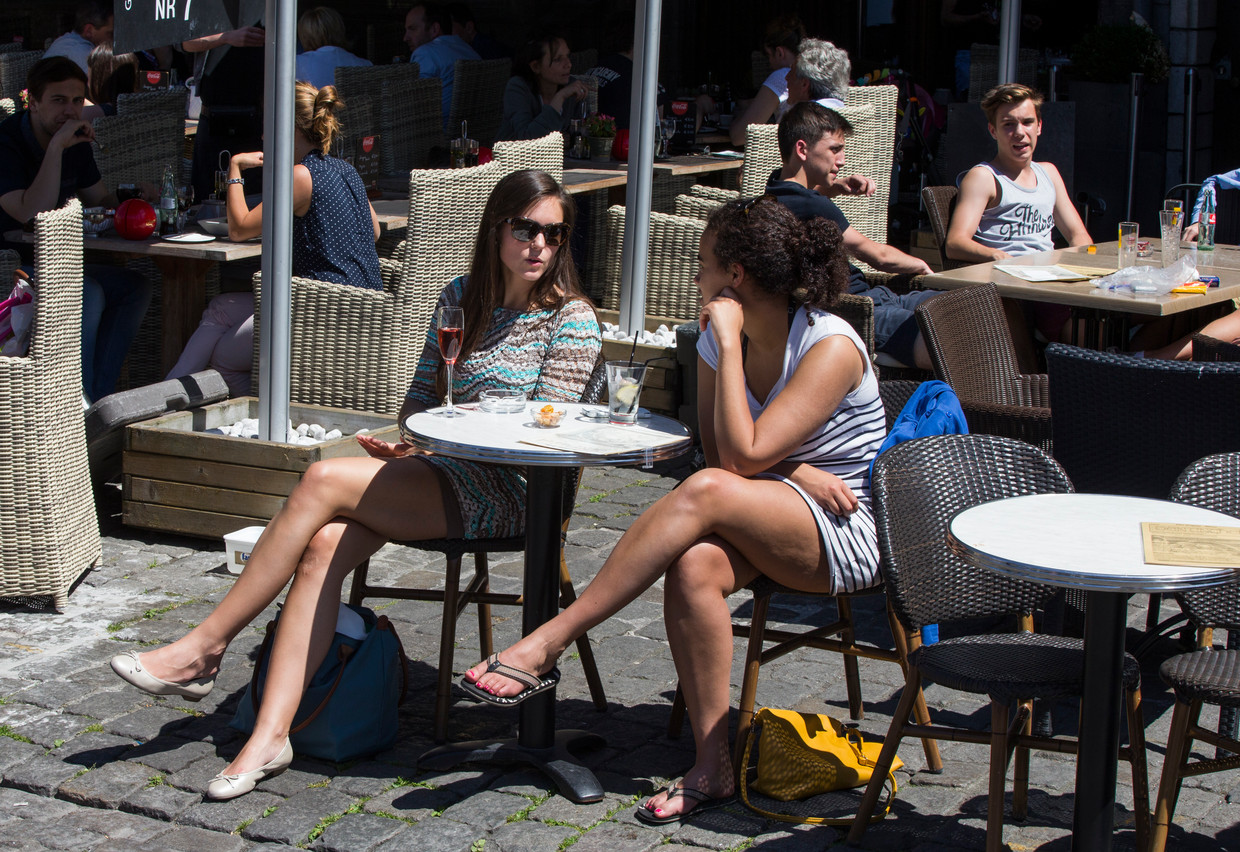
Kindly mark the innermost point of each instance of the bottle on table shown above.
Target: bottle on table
(1206, 219)
(168, 203)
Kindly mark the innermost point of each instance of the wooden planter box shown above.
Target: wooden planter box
(661, 390)
(179, 479)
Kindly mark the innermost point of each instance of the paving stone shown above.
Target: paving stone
(56, 728)
(94, 749)
(198, 774)
(169, 755)
(41, 775)
(55, 694)
(526, 836)
(614, 836)
(296, 817)
(295, 779)
(118, 826)
(462, 782)
(487, 810)
(226, 816)
(799, 838)
(104, 787)
(18, 715)
(67, 835)
(525, 782)
(160, 802)
(357, 833)
(189, 839)
(411, 803)
(106, 705)
(560, 810)
(440, 835)
(147, 724)
(14, 752)
(32, 807)
(365, 779)
(212, 729)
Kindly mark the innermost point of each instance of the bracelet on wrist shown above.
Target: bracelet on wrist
(231, 181)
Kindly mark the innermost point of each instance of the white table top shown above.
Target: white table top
(1085, 541)
(481, 436)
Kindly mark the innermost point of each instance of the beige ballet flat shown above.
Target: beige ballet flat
(223, 786)
(129, 667)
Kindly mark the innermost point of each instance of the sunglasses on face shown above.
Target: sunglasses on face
(525, 230)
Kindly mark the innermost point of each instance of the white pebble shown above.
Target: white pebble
(333, 435)
(303, 429)
(317, 432)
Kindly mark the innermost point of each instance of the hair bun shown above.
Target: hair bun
(327, 99)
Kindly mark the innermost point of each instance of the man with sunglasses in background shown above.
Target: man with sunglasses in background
(811, 143)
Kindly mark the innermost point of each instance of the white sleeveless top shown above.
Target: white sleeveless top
(845, 445)
(1022, 219)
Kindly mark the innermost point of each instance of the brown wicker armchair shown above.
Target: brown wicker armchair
(49, 534)
(940, 202)
(971, 349)
(1207, 348)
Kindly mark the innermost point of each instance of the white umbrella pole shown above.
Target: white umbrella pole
(642, 127)
(274, 357)
(1009, 40)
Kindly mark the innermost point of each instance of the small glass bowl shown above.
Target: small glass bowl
(502, 401)
(546, 415)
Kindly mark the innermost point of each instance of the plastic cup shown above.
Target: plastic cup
(624, 391)
(1128, 233)
(1171, 222)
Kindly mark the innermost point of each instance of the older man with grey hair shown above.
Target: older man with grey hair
(820, 73)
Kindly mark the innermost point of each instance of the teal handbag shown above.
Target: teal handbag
(349, 710)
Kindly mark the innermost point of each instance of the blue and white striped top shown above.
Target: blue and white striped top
(844, 445)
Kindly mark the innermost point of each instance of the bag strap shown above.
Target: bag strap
(811, 820)
(345, 653)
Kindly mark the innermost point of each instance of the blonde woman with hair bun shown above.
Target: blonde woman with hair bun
(325, 47)
(334, 233)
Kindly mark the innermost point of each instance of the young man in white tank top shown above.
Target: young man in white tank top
(1008, 206)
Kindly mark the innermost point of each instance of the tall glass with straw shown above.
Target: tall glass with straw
(449, 326)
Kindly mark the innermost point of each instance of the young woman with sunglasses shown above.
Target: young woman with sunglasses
(527, 326)
(790, 420)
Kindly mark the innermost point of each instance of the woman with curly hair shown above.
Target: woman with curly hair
(790, 420)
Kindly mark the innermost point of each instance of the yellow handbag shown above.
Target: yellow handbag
(806, 754)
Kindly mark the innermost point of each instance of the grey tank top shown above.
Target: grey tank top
(1021, 221)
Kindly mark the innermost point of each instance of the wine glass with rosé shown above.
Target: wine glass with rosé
(449, 324)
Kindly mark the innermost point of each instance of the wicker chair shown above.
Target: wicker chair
(971, 349)
(545, 154)
(14, 66)
(356, 348)
(1208, 675)
(940, 202)
(410, 112)
(1119, 425)
(478, 590)
(136, 145)
(838, 636)
(713, 192)
(583, 60)
(871, 152)
(984, 69)
(1207, 348)
(478, 97)
(8, 107)
(670, 291)
(761, 158)
(154, 100)
(917, 487)
(49, 534)
(694, 206)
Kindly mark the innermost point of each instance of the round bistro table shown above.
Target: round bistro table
(1091, 542)
(498, 438)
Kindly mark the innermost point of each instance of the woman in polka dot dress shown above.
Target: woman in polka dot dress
(334, 234)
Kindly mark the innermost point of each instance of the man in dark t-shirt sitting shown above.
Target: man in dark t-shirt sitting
(811, 144)
(45, 159)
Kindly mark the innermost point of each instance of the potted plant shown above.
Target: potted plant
(600, 131)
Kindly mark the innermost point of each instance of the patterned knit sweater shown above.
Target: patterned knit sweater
(547, 354)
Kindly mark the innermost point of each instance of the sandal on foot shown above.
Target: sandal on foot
(704, 803)
(534, 684)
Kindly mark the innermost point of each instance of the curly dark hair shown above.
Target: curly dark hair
(804, 261)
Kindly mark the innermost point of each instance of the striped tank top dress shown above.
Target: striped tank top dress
(844, 445)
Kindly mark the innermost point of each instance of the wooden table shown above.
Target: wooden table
(1095, 544)
(184, 267)
(1096, 306)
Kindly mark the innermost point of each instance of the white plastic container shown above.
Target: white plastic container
(238, 545)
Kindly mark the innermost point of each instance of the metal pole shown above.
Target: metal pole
(274, 354)
(1135, 104)
(1190, 116)
(634, 257)
(1009, 40)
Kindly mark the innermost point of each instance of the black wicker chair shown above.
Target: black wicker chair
(1208, 675)
(478, 590)
(918, 487)
(838, 636)
(1207, 348)
(971, 348)
(1124, 425)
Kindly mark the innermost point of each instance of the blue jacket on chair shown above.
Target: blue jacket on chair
(933, 409)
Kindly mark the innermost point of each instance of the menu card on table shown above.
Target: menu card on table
(1049, 273)
(1198, 545)
(603, 440)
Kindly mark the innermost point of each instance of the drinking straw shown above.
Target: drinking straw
(633, 351)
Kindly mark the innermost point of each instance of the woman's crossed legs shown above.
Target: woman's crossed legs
(710, 536)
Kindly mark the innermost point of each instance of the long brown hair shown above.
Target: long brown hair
(514, 195)
(314, 114)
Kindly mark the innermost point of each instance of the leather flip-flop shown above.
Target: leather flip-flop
(534, 684)
(704, 803)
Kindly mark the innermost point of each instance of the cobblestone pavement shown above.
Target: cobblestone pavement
(90, 763)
